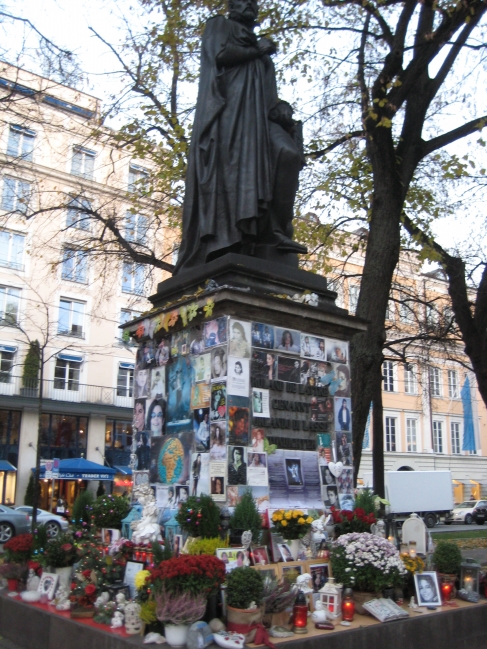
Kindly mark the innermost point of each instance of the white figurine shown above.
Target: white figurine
(133, 623)
(146, 529)
(62, 600)
(121, 602)
(32, 580)
(102, 599)
(303, 583)
(320, 613)
(117, 620)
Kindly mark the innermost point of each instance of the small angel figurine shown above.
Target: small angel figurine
(121, 601)
(117, 620)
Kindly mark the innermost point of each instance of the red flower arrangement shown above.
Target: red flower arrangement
(35, 566)
(19, 548)
(84, 590)
(202, 573)
(347, 521)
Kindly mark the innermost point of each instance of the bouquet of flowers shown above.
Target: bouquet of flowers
(412, 564)
(84, 589)
(352, 521)
(366, 562)
(60, 552)
(19, 548)
(292, 524)
(12, 570)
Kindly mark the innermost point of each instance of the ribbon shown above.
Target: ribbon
(261, 636)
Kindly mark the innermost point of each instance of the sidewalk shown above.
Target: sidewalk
(8, 644)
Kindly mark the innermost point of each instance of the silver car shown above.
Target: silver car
(12, 522)
(54, 523)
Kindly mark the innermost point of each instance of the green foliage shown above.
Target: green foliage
(246, 516)
(365, 500)
(81, 512)
(206, 546)
(109, 511)
(244, 586)
(447, 558)
(40, 541)
(160, 553)
(105, 569)
(200, 516)
(30, 372)
(29, 492)
(60, 552)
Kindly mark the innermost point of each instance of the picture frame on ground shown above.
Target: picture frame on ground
(259, 556)
(48, 584)
(427, 589)
(290, 570)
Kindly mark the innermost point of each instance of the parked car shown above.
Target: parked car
(466, 512)
(12, 523)
(480, 514)
(53, 522)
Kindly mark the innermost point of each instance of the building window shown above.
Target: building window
(388, 376)
(135, 227)
(435, 381)
(118, 440)
(406, 312)
(409, 379)
(9, 305)
(78, 215)
(6, 363)
(137, 179)
(125, 380)
(11, 250)
(63, 436)
(133, 278)
(9, 436)
(453, 392)
(71, 316)
(353, 293)
(432, 315)
(389, 311)
(83, 162)
(75, 265)
(66, 374)
(412, 435)
(391, 434)
(20, 142)
(438, 436)
(16, 195)
(455, 437)
(126, 315)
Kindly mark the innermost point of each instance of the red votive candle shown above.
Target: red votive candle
(300, 614)
(446, 591)
(348, 609)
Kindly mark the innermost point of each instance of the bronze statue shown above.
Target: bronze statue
(246, 150)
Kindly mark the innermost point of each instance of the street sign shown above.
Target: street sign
(55, 466)
(48, 473)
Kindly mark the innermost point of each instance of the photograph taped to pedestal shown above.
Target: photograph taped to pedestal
(240, 337)
(345, 482)
(145, 357)
(170, 458)
(287, 340)
(201, 429)
(163, 352)
(200, 474)
(218, 440)
(344, 448)
(324, 443)
(336, 351)
(262, 335)
(141, 383)
(179, 391)
(158, 382)
(238, 377)
(263, 365)
(260, 403)
(238, 425)
(285, 495)
(216, 332)
(237, 465)
(202, 368)
(218, 363)
(343, 415)
(312, 347)
(197, 340)
(218, 408)
(200, 395)
(180, 343)
(289, 369)
(156, 416)
(257, 469)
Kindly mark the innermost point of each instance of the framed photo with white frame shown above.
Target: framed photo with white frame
(131, 569)
(427, 589)
(48, 583)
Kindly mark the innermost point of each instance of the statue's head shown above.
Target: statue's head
(244, 10)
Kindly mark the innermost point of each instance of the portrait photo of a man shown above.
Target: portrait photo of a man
(294, 474)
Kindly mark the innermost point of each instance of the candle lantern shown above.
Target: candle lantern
(469, 575)
(348, 605)
(331, 598)
(404, 549)
(300, 614)
(171, 529)
(412, 549)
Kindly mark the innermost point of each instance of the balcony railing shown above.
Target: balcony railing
(60, 390)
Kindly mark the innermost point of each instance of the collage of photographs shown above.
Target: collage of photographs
(195, 404)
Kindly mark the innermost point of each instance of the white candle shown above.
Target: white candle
(468, 584)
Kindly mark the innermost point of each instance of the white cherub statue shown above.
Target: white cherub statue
(319, 614)
(32, 580)
(146, 529)
(121, 601)
(117, 620)
(102, 599)
(62, 601)
(303, 583)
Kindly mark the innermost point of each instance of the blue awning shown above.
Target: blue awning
(8, 348)
(81, 469)
(127, 366)
(6, 466)
(124, 470)
(70, 357)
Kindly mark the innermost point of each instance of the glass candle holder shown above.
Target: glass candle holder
(446, 591)
(348, 606)
(300, 614)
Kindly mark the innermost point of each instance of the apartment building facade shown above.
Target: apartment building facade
(424, 423)
(59, 289)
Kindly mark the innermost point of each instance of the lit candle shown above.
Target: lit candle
(331, 604)
(468, 584)
(446, 591)
(348, 606)
(300, 614)
(390, 539)
(412, 549)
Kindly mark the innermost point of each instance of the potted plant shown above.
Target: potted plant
(244, 594)
(13, 573)
(60, 555)
(84, 591)
(108, 511)
(447, 559)
(293, 524)
(346, 521)
(366, 563)
(245, 517)
(18, 549)
(180, 587)
(199, 516)
(278, 599)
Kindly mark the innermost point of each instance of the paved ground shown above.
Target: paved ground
(8, 644)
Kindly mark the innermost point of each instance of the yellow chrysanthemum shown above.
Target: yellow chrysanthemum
(284, 523)
(288, 516)
(274, 517)
(301, 521)
(295, 514)
(279, 517)
(309, 520)
(140, 578)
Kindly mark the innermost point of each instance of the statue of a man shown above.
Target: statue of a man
(246, 149)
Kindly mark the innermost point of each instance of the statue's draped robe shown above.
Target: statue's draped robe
(229, 182)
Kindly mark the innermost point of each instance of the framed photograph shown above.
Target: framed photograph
(319, 571)
(285, 551)
(177, 544)
(294, 472)
(109, 536)
(276, 539)
(233, 557)
(48, 583)
(131, 569)
(259, 556)
(427, 589)
(267, 571)
(290, 571)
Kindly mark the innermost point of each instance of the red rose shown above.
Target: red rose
(67, 547)
(86, 573)
(90, 589)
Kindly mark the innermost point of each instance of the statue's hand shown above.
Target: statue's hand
(266, 46)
